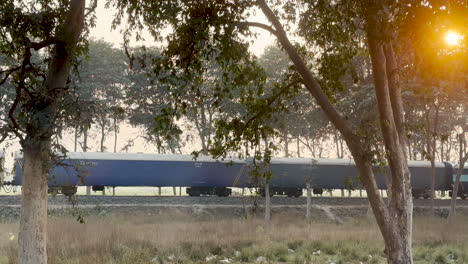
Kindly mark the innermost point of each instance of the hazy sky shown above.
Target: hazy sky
(105, 17)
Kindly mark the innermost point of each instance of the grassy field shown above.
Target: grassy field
(178, 239)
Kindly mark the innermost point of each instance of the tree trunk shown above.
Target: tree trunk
(103, 137)
(432, 152)
(461, 167)
(448, 152)
(397, 221)
(115, 134)
(409, 151)
(337, 145)
(309, 200)
(286, 144)
(76, 139)
(32, 238)
(267, 201)
(340, 140)
(441, 157)
(85, 139)
(298, 147)
(85, 149)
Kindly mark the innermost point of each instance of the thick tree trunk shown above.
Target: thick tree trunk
(32, 239)
(397, 225)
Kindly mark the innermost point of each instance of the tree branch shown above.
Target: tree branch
(260, 25)
(312, 86)
(45, 43)
(8, 72)
(270, 101)
(4, 135)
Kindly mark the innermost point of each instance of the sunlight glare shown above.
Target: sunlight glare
(452, 38)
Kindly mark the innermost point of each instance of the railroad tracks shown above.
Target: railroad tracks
(93, 200)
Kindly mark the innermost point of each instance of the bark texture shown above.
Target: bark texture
(32, 238)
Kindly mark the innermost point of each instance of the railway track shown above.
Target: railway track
(95, 200)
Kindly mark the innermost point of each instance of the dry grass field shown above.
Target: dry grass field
(178, 239)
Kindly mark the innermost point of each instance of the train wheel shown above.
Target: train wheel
(68, 190)
(223, 192)
(227, 192)
(192, 192)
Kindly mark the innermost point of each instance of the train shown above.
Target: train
(208, 176)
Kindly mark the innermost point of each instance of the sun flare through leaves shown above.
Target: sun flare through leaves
(453, 38)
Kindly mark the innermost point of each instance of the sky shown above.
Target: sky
(106, 15)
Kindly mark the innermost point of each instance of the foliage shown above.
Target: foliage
(27, 33)
(96, 85)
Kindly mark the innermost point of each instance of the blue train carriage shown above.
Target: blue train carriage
(290, 175)
(463, 187)
(62, 179)
(421, 177)
(202, 176)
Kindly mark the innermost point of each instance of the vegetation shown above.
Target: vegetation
(349, 80)
(172, 238)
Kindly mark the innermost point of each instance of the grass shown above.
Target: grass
(179, 239)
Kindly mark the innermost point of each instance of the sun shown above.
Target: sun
(452, 38)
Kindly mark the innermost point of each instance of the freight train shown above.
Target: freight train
(208, 176)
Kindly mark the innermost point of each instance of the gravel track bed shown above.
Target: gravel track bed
(213, 200)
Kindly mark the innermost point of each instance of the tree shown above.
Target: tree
(463, 157)
(38, 91)
(437, 81)
(98, 82)
(145, 98)
(336, 30)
